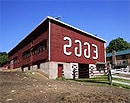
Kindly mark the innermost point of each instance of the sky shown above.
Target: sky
(108, 19)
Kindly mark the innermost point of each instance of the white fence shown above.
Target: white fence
(121, 74)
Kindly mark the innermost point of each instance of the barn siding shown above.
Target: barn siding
(32, 58)
(59, 32)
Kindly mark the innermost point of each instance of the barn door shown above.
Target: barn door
(83, 70)
(60, 70)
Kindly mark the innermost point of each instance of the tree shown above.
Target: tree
(117, 44)
(3, 58)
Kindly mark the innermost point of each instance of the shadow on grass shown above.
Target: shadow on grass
(97, 80)
(93, 81)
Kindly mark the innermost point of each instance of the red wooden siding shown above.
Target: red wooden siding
(24, 53)
(58, 32)
(29, 47)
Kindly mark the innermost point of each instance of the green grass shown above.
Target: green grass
(97, 80)
(121, 80)
(121, 85)
(103, 80)
(61, 78)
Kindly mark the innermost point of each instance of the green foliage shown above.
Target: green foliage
(117, 44)
(3, 58)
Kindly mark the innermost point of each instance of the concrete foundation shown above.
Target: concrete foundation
(26, 69)
(19, 69)
(33, 67)
(50, 69)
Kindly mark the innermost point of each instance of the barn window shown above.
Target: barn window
(15, 59)
(26, 54)
(40, 47)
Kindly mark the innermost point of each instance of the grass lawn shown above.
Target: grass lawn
(104, 80)
(101, 80)
(121, 80)
(121, 85)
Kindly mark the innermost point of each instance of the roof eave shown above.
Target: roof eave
(51, 18)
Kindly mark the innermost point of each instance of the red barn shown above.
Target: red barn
(58, 49)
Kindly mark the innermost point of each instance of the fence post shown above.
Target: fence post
(109, 77)
(109, 73)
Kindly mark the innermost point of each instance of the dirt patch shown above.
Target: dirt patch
(17, 87)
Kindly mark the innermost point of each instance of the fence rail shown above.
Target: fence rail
(121, 77)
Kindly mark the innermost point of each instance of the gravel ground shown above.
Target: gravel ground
(17, 87)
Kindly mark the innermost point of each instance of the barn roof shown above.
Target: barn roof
(61, 22)
(44, 22)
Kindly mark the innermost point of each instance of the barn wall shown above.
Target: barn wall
(58, 33)
(33, 58)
